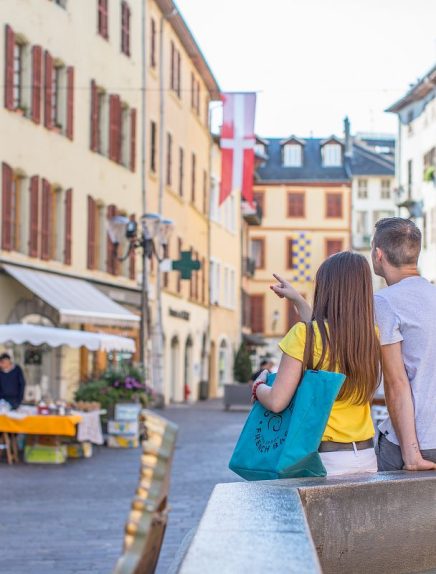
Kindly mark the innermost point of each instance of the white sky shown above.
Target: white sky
(314, 61)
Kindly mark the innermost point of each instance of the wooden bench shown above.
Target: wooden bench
(145, 527)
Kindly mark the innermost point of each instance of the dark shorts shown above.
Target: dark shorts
(389, 454)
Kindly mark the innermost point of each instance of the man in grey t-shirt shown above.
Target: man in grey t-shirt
(406, 317)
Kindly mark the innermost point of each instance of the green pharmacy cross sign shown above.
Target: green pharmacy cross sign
(186, 265)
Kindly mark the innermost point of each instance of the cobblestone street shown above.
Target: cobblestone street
(69, 519)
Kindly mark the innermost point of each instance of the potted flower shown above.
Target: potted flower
(239, 393)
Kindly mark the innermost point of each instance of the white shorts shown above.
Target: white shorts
(349, 461)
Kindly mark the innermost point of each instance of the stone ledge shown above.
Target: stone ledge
(377, 523)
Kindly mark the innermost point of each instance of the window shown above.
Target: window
(195, 94)
(385, 192)
(259, 149)
(333, 246)
(59, 96)
(153, 146)
(430, 158)
(103, 122)
(153, 61)
(205, 209)
(232, 301)
(362, 188)
(258, 252)
(22, 76)
(18, 75)
(181, 171)
(58, 229)
(290, 243)
(257, 305)
(169, 159)
(103, 24)
(125, 28)
(18, 217)
(296, 204)
(179, 253)
(193, 174)
(259, 198)
(332, 155)
(175, 72)
(292, 155)
(334, 205)
(214, 199)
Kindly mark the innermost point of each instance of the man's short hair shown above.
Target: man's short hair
(399, 239)
(5, 356)
(264, 362)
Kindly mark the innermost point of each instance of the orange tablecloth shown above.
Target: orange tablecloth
(41, 424)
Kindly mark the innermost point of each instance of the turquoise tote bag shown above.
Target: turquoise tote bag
(285, 445)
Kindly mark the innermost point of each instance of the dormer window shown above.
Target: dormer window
(292, 155)
(332, 155)
(259, 149)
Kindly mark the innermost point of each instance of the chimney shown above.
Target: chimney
(348, 139)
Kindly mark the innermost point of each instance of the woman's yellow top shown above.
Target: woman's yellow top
(348, 422)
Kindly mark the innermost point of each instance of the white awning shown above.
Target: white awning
(76, 300)
(54, 337)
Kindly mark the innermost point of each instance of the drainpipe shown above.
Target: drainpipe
(145, 351)
(157, 346)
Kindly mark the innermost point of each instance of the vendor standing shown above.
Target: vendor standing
(12, 381)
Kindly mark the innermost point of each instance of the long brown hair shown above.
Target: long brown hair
(344, 312)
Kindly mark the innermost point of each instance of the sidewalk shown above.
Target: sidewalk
(70, 519)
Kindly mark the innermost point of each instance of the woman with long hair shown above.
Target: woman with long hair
(344, 339)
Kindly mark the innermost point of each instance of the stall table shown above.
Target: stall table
(43, 443)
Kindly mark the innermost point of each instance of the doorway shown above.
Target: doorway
(188, 368)
(174, 370)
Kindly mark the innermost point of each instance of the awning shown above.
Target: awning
(54, 337)
(76, 300)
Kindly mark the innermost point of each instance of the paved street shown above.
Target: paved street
(69, 519)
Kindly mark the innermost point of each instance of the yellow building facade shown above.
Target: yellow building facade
(179, 88)
(69, 118)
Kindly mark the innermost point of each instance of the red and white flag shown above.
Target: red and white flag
(237, 145)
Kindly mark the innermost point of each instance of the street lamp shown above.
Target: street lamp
(154, 229)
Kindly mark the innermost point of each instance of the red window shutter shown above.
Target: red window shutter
(34, 217)
(70, 102)
(94, 117)
(91, 233)
(103, 18)
(133, 139)
(114, 128)
(7, 180)
(257, 313)
(36, 83)
(45, 220)
(9, 68)
(111, 261)
(48, 117)
(68, 226)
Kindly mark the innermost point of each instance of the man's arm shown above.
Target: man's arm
(400, 406)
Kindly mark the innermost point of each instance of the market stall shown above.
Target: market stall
(52, 433)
